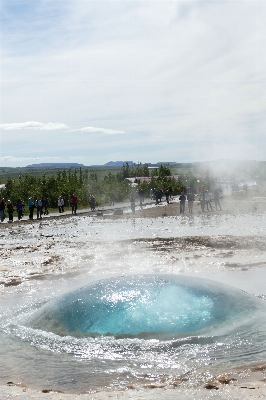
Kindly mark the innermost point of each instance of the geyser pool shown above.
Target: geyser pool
(94, 249)
(143, 305)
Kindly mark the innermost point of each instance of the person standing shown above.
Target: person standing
(2, 209)
(182, 199)
(31, 207)
(157, 195)
(160, 194)
(141, 197)
(217, 199)
(170, 192)
(60, 203)
(132, 202)
(45, 205)
(202, 199)
(19, 208)
(167, 194)
(112, 199)
(190, 200)
(74, 203)
(38, 205)
(92, 202)
(208, 200)
(10, 210)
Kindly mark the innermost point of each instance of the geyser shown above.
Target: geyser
(142, 305)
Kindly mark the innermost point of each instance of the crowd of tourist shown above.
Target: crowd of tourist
(205, 199)
(186, 194)
(41, 205)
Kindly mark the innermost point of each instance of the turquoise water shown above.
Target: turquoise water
(113, 313)
(147, 305)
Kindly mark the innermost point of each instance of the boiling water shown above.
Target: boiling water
(142, 305)
(113, 313)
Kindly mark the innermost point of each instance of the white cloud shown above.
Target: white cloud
(32, 125)
(21, 159)
(53, 127)
(102, 130)
(176, 69)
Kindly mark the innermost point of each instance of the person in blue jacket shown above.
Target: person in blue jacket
(31, 206)
(38, 205)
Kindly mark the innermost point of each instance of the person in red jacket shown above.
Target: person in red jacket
(74, 203)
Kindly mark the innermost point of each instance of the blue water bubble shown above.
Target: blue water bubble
(143, 305)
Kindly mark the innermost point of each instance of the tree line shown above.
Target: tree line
(67, 182)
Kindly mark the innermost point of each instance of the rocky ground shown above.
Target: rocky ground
(248, 383)
(228, 251)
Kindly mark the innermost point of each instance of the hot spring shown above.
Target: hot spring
(147, 306)
(97, 309)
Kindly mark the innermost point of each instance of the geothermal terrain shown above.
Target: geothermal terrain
(42, 261)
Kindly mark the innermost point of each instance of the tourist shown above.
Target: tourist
(112, 199)
(141, 197)
(2, 209)
(167, 194)
(31, 206)
(157, 195)
(216, 199)
(60, 204)
(151, 194)
(74, 204)
(92, 202)
(132, 202)
(45, 205)
(38, 205)
(19, 208)
(208, 201)
(10, 210)
(202, 199)
(182, 199)
(160, 195)
(170, 192)
(190, 199)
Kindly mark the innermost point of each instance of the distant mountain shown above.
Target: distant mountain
(117, 163)
(55, 165)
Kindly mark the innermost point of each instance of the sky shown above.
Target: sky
(148, 81)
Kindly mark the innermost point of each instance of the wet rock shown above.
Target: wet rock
(118, 212)
(177, 382)
(13, 282)
(36, 276)
(211, 385)
(259, 368)
(18, 385)
(54, 258)
(130, 387)
(153, 386)
(247, 387)
(225, 380)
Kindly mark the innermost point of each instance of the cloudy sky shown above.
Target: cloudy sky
(94, 81)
